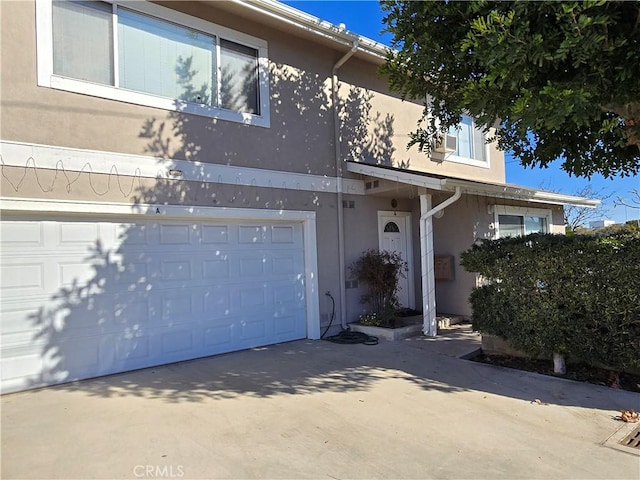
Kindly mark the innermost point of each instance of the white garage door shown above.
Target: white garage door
(82, 298)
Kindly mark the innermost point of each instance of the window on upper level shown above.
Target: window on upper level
(471, 142)
(150, 55)
(519, 221)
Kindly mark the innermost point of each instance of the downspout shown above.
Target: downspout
(441, 206)
(338, 162)
(430, 327)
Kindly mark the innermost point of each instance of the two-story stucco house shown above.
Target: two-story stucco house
(182, 179)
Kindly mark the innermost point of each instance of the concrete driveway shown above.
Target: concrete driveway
(305, 409)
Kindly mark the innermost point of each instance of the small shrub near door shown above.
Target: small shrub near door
(379, 271)
(546, 294)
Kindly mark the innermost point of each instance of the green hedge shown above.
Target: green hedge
(578, 296)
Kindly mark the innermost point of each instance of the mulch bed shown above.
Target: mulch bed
(575, 371)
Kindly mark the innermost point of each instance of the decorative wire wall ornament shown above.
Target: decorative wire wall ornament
(86, 168)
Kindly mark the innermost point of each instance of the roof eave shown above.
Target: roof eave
(439, 182)
(310, 23)
(395, 175)
(516, 192)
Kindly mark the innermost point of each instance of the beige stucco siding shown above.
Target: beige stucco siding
(380, 134)
(374, 123)
(300, 138)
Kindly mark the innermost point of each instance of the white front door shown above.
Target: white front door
(395, 236)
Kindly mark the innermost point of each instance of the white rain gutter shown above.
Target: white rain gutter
(516, 192)
(441, 206)
(315, 25)
(338, 163)
(427, 262)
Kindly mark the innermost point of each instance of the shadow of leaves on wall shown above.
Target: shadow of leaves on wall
(97, 321)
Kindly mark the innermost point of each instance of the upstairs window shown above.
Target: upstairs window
(472, 146)
(83, 41)
(150, 55)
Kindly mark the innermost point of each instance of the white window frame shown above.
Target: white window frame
(46, 77)
(519, 212)
(451, 157)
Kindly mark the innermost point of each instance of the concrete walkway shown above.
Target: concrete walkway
(408, 409)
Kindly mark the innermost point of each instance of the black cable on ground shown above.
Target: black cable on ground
(348, 337)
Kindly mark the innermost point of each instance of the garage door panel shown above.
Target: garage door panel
(133, 351)
(135, 235)
(250, 298)
(17, 234)
(282, 234)
(252, 266)
(19, 276)
(177, 341)
(285, 325)
(177, 309)
(215, 234)
(251, 234)
(252, 330)
(83, 233)
(217, 301)
(283, 265)
(176, 270)
(132, 273)
(217, 336)
(131, 314)
(175, 234)
(216, 269)
(83, 298)
(20, 367)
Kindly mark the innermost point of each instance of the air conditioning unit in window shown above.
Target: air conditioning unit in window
(445, 143)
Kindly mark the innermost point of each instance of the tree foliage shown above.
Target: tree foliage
(573, 295)
(562, 79)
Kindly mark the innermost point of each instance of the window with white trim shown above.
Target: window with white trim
(143, 53)
(520, 221)
(472, 144)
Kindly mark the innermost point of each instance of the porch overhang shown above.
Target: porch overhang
(382, 180)
(471, 187)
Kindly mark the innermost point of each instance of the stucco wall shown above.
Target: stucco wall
(300, 138)
(375, 123)
(381, 135)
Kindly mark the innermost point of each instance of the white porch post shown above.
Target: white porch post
(430, 326)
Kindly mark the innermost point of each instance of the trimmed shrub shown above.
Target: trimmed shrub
(577, 296)
(379, 270)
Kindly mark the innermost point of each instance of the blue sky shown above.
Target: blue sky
(364, 17)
